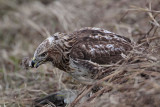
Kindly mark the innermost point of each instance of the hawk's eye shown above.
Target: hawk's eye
(44, 54)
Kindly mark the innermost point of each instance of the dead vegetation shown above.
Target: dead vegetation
(24, 24)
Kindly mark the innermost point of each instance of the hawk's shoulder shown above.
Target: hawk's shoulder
(94, 32)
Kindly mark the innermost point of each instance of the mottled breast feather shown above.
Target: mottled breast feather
(99, 45)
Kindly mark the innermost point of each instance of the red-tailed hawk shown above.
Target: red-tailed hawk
(82, 52)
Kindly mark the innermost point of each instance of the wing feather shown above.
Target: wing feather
(99, 46)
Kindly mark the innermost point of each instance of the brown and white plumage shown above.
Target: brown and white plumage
(82, 52)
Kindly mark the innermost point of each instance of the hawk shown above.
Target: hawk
(82, 52)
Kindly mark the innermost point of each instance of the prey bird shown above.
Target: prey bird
(82, 52)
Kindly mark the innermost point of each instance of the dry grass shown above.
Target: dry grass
(24, 24)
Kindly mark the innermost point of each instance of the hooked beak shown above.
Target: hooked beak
(35, 64)
(32, 64)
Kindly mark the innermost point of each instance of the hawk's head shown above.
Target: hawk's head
(47, 51)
